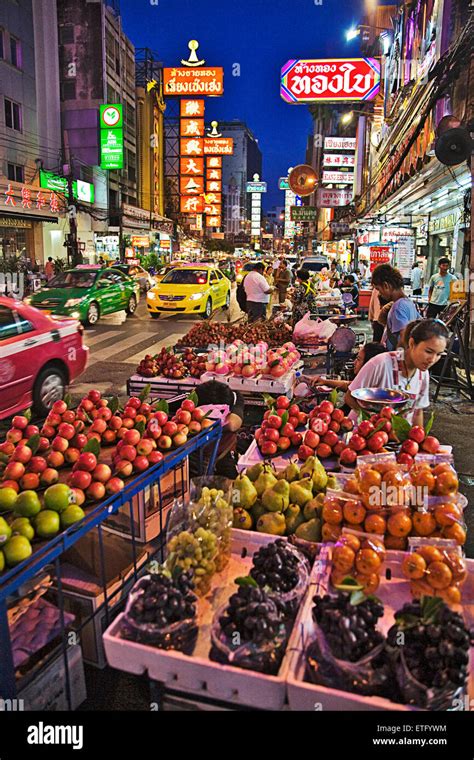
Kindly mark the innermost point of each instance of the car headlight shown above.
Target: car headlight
(151, 296)
(72, 302)
(196, 296)
(27, 300)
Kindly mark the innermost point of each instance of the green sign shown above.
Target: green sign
(111, 136)
(82, 191)
(111, 148)
(283, 183)
(303, 214)
(111, 116)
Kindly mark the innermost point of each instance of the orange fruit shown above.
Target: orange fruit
(384, 467)
(442, 467)
(423, 478)
(421, 588)
(369, 479)
(456, 532)
(367, 561)
(439, 575)
(430, 554)
(424, 523)
(447, 514)
(354, 512)
(457, 566)
(370, 582)
(395, 478)
(375, 524)
(330, 532)
(395, 543)
(375, 543)
(349, 539)
(451, 595)
(343, 558)
(332, 512)
(399, 524)
(447, 483)
(352, 486)
(414, 566)
(337, 577)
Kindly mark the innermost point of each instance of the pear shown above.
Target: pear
(314, 507)
(332, 482)
(301, 491)
(257, 510)
(244, 494)
(242, 519)
(314, 469)
(272, 522)
(265, 480)
(310, 531)
(254, 471)
(308, 467)
(292, 472)
(277, 499)
(293, 518)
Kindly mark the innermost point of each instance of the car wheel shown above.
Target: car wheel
(93, 314)
(50, 386)
(208, 310)
(227, 301)
(132, 305)
(154, 314)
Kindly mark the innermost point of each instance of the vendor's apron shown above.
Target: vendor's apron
(397, 369)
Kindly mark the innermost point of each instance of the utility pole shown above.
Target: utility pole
(74, 254)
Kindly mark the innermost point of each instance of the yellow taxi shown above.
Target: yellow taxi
(190, 289)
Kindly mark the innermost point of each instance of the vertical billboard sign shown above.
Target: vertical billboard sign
(111, 136)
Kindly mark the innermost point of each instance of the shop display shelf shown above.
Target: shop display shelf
(161, 387)
(197, 674)
(256, 385)
(303, 695)
(253, 456)
(50, 551)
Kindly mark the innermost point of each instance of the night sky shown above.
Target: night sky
(260, 35)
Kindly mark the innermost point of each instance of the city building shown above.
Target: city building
(30, 132)
(237, 170)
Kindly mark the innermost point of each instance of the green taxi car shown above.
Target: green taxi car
(87, 293)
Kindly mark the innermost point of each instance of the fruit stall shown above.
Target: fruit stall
(69, 489)
(330, 571)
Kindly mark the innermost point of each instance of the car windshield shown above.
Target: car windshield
(313, 266)
(74, 279)
(186, 277)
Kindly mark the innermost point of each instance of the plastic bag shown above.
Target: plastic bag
(350, 560)
(289, 601)
(415, 693)
(264, 658)
(309, 328)
(180, 636)
(211, 508)
(448, 574)
(369, 676)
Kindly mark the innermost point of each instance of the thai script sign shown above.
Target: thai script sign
(339, 143)
(333, 198)
(188, 81)
(350, 79)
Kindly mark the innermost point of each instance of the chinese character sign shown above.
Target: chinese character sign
(350, 79)
(192, 147)
(191, 185)
(192, 166)
(214, 162)
(192, 127)
(192, 108)
(191, 204)
(213, 186)
(338, 159)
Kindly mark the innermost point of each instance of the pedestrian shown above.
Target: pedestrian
(49, 269)
(334, 275)
(362, 269)
(304, 296)
(101, 261)
(365, 354)
(375, 307)
(388, 281)
(349, 286)
(406, 369)
(282, 280)
(439, 289)
(257, 291)
(416, 279)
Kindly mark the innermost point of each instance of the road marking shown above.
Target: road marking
(170, 340)
(117, 348)
(99, 337)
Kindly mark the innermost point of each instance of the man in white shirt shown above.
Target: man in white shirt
(258, 292)
(416, 279)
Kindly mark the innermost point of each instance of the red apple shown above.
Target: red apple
(319, 426)
(271, 434)
(79, 441)
(94, 396)
(145, 447)
(31, 430)
(67, 431)
(128, 423)
(287, 430)
(22, 454)
(115, 422)
(14, 471)
(430, 444)
(183, 416)
(323, 451)
(302, 418)
(130, 411)
(87, 461)
(331, 438)
(14, 435)
(170, 428)
(128, 452)
(339, 448)
(180, 439)
(406, 459)
(387, 412)
(311, 439)
(268, 448)
(155, 457)
(325, 417)
(87, 405)
(293, 420)
(194, 427)
(376, 441)
(410, 447)
(165, 442)
(283, 402)
(49, 476)
(283, 443)
(327, 407)
(335, 426)
(348, 456)
(417, 434)
(69, 416)
(104, 414)
(337, 415)
(78, 496)
(132, 437)
(114, 485)
(55, 459)
(80, 479)
(365, 428)
(109, 437)
(72, 455)
(43, 444)
(347, 424)
(134, 402)
(48, 431)
(182, 428)
(37, 464)
(20, 422)
(102, 473)
(98, 426)
(274, 421)
(30, 481)
(293, 410)
(304, 452)
(296, 439)
(59, 407)
(7, 447)
(140, 464)
(124, 468)
(357, 442)
(60, 444)
(162, 417)
(53, 419)
(96, 491)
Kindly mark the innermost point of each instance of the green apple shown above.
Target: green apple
(8, 497)
(71, 515)
(27, 504)
(23, 526)
(58, 497)
(17, 549)
(47, 523)
(5, 531)
(2, 561)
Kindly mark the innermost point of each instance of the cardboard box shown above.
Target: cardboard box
(47, 690)
(83, 590)
(146, 506)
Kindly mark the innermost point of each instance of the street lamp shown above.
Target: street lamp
(355, 31)
(347, 117)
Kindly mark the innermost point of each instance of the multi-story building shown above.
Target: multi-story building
(30, 136)
(97, 66)
(237, 170)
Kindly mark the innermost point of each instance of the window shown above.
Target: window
(220, 276)
(2, 50)
(15, 52)
(213, 278)
(66, 34)
(15, 173)
(24, 325)
(68, 90)
(12, 115)
(8, 324)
